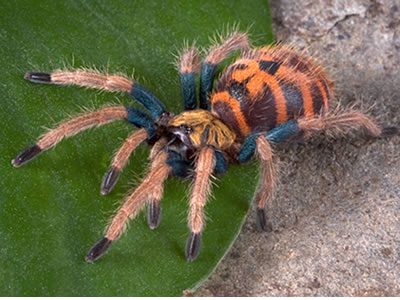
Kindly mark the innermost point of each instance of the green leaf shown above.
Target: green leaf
(51, 209)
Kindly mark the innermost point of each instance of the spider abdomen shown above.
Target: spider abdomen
(270, 86)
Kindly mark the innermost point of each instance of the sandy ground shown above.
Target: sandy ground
(336, 216)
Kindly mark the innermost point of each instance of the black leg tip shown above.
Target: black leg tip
(109, 181)
(390, 131)
(26, 156)
(38, 77)
(262, 222)
(98, 250)
(193, 246)
(153, 214)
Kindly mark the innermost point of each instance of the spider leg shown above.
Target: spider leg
(150, 190)
(340, 123)
(96, 80)
(261, 143)
(198, 198)
(179, 167)
(216, 54)
(279, 134)
(267, 182)
(188, 67)
(70, 128)
(336, 123)
(153, 205)
(183, 168)
(121, 158)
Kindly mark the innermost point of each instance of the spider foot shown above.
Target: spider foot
(193, 246)
(98, 250)
(26, 155)
(153, 214)
(38, 77)
(262, 222)
(390, 131)
(109, 180)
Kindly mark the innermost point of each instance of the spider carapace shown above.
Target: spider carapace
(268, 96)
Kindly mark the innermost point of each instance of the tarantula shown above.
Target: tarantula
(269, 95)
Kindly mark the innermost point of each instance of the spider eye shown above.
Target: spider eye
(187, 129)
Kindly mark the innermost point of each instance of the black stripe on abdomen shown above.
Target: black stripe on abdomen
(318, 100)
(238, 90)
(261, 112)
(294, 99)
(270, 67)
(298, 63)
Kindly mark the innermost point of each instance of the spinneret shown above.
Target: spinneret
(268, 96)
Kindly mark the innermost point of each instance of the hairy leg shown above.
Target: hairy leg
(200, 190)
(153, 205)
(188, 66)
(267, 181)
(83, 77)
(280, 134)
(70, 128)
(334, 123)
(121, 158)
(216, 54)
(96, 80)
(151, 189)
(345, 122)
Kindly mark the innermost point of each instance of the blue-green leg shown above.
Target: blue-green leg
(207, 76)
(188, 67)
(142, 120)
(260, 143)
(280, 134)
(96, 80)
(183, 168)
(217, 53)
(148, 100)
(148, 133)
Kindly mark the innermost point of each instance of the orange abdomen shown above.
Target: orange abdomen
(268, 87)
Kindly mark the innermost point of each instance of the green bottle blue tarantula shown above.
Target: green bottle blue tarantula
(269, 95)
